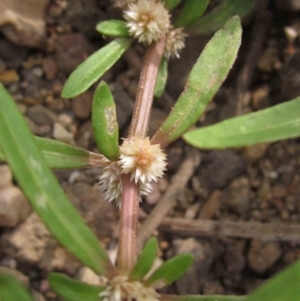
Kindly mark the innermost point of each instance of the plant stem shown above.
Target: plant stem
(139, 125)
(128, 225)
(144, 98)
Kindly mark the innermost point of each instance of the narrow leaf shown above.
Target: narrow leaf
(201, 298)
(161, 78)
(206, 77)
(171, 4)
(94, 67)
(145, 260)
(276, 123)
(214, 20)
(191, 12)
(42, 189)
(60, 155)
(105, 126)
(113, 28)
(12, 290)
(73, 290)
(170, 271)
(283, 287)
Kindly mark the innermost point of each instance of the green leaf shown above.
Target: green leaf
(113, 28)
(162, 77)
(191, 12)
(206, 77)
(105, 126)
(145, 260)
(171, 4)
(276, 123)
(214, 20)
(283, 287)
(170, 271)
(202, 298)
(42, 189)
(94, 67)
(73, 290)
(12, 290)
(60, 155)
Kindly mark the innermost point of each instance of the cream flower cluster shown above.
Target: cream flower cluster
(148, 21)
(119, 289)
(144, 162)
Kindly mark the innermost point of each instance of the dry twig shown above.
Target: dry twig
(168, 200)
(251, 230)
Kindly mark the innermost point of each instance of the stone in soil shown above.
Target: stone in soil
(6, 176)
(24, 24)
(124, 104)
(263, 255)
(98, 213)
(254, 152)
(86, 275)
(196, 276)
(84, 15)
(50, 67)
(211, 206)
(61, 134)
(71, 50)
(9, 76)
(219, 168)
(237, 195)
(11, 54)
(82, 105)
(41, 115)
(14, 207)
(32, 243)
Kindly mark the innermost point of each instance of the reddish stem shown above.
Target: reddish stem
(144, 98)
(128, 225)
(139, 125)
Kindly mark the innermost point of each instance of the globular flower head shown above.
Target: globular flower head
(110, 183)
(175, 42)
(147, 20)
(145, 162)
(120, 288)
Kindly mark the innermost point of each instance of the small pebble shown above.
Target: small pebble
(9, 76)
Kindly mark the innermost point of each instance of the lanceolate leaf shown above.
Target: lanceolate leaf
(59, 155)
(170, 271)
(170, 4)
(205, 79)
(94, 67)
(42, 189)
(191, 12)
(214, 20)
(268, 125)
(106, 130)
(284, 286)
(162, 77)
(12, 290)
(145, 260)
(73, 290)
(202, 298)
(113, 28)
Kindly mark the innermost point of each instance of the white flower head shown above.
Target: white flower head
(145, 162)
(147, 20)
(120, 288)
(175, 42)
(110, 183)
